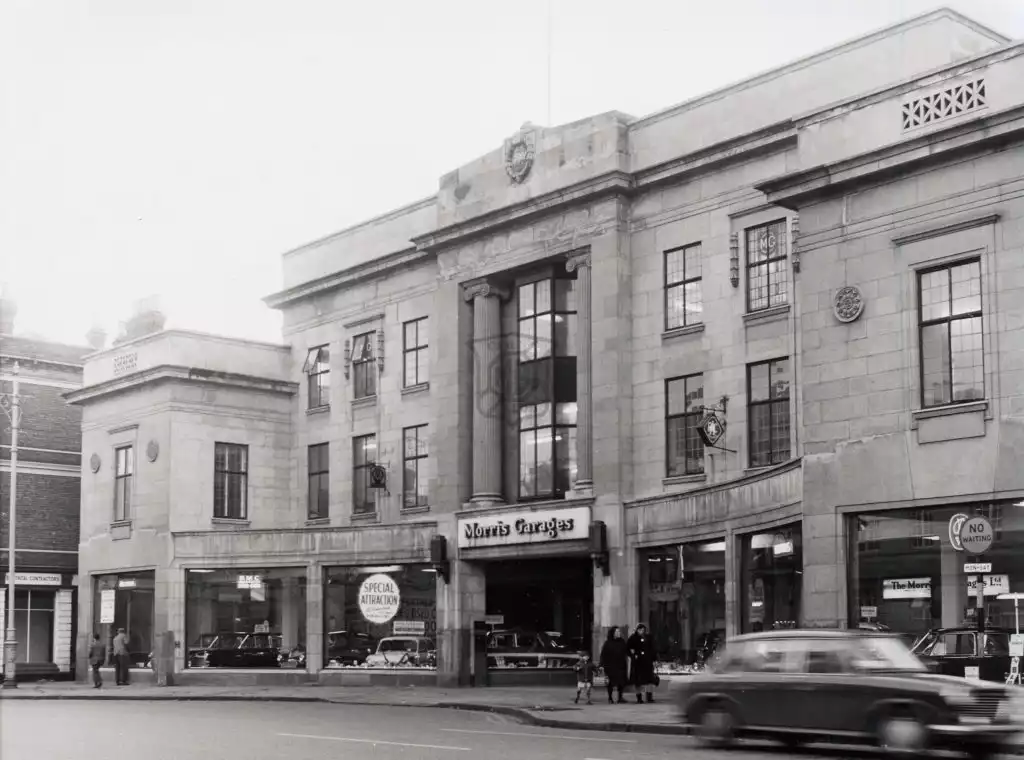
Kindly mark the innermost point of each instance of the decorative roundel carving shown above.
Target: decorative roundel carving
(519, 154)
(848, 304)
(152, 451)
(94, 463)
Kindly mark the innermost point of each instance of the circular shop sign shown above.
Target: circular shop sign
(379, 598)
(976, 535)
(955, 523)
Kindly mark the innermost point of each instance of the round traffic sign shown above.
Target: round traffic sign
(976, 535)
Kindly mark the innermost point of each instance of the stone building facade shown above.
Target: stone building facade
(49, 489)
(585, 384)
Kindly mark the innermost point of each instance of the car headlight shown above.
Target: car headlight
(958, 698)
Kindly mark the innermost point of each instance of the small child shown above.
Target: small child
(585, 671)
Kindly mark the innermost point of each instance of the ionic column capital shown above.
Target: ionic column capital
(483, 289)
(577, 260)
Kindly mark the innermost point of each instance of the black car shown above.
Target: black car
(244, 650)
(846, 686)
(349, 648)
(967, 652)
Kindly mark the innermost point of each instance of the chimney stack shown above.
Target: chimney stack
(97, 338)
(147, 318)
(8, 310)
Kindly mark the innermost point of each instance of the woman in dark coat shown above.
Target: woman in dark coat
(642, 656)
(614, 661)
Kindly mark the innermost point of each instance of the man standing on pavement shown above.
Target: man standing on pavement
(122, 660)
(97, 654)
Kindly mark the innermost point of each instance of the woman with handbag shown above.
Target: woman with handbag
(642, 657)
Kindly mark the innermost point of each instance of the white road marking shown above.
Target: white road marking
(539, 736)
(376, 741)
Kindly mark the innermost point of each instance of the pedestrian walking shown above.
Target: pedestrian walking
(97, 655)
(585, 670)
(615, 662)
(122, 658)
(642, 657)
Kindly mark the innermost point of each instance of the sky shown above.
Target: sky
(176, 148)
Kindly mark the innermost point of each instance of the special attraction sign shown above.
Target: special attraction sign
(524, 527)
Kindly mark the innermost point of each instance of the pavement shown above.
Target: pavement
(550, 707)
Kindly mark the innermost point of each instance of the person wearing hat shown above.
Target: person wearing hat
(122, 658)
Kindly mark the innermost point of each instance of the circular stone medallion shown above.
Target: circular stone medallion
(848, 304)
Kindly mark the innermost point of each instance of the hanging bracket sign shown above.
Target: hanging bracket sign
(956, 522)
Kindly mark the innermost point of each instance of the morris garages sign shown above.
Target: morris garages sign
(527, 527)
(907, 588)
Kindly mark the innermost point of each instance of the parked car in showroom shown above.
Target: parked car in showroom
(967, 652)
(347, 648)
(845, 686)
(523, 648)
(403, 651)
(245, 650)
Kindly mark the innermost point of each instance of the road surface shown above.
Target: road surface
(131, 730)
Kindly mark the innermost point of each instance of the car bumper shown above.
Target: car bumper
(991, 735)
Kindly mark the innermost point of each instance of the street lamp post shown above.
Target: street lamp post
(11, 404)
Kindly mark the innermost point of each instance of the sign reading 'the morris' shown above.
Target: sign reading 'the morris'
(526, 527)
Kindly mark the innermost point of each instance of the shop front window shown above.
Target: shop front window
(682, 600)
(33, 623)
(380, 617)
(906, 576)
(772, 579)
(246, 618)
(126, 600)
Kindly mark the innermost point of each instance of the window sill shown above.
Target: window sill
(318, 410)
(366, 517)
(762, 316)
(229, 521)
(416, 510)
(948, 410)
(676, 480)
(418, 388)
(358, 403)
(313, 522)
(682, 332)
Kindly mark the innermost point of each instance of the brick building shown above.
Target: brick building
(585, 384)
(48, 497)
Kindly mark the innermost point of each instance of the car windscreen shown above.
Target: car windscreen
(398, 645)
(884, 653)
(996, 645)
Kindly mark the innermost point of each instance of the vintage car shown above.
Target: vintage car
(244, 650)
(522, 648)
(403, 651)
(346, 648)
(849, 687)
(967, 652)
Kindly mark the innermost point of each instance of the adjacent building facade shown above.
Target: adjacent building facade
(48, 496)
(616, 371)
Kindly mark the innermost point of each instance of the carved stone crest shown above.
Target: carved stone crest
(152, 450)
(848, 304)
(519, 152)
(94, 463)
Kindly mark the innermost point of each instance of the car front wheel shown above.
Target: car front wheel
(717, 726)
(901, 733)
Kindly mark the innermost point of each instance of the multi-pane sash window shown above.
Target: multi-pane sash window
(414, 352)
(124, 469)
(364, 370)
(684, 399)
(319, 481)
(414, 470)
(547, 387)
(364, 456)
(230, 481)
(768, 412)
(683, 303)
(952, 355)
(767, 275)
(318, 370)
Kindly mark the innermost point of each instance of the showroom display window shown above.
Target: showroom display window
(380, 617)
(771, 579)
(682, 600)
(246, 618)
(906, 574)
(126, 600)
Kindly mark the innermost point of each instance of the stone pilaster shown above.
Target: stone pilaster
(584, 485)
(487, 391)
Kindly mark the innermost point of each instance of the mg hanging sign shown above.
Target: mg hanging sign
(955, 523)
(976, 535)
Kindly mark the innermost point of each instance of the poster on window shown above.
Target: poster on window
(994, 584)
(907, 588)
(107, 606)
